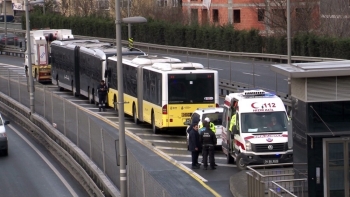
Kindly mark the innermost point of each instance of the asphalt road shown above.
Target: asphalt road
(255, 73)
(174, 144)
(30, 170)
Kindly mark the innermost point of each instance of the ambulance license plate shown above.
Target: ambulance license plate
(272, 161)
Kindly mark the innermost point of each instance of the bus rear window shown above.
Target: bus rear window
(191, 88)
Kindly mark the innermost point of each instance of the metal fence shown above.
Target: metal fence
(225, 62)
(78, 126)
(260, 178)
(98, 141)
(289, 188)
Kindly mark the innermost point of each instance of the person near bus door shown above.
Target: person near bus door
(194, 146)
(208, 141)
(102, 94)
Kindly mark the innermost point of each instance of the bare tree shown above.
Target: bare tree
(304, 15)
(334, 18)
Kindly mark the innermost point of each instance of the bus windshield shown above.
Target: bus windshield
(264, 122)
(191, 88)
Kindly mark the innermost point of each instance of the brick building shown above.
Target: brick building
(246, 14)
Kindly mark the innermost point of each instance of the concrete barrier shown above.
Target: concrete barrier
(75, 160)
(11, 25)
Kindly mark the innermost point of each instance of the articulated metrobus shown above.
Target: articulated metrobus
(79, 65)
(162, 91)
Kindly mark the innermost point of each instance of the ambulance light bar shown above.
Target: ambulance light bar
(254, 92)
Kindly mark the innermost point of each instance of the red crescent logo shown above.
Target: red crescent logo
(253, 105)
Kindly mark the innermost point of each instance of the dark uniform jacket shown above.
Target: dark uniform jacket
(207, 137)
(102, 92)
(193, 141)
(195, 121)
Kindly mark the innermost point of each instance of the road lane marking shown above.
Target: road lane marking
(162, 154)
(58, 174)
(251, 74)
(219, 164)
(179, 155)
(166, 141)
(170, 148)
(148, 134)
(204, 58)
(215, 68)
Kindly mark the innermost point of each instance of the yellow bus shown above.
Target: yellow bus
(162, 91)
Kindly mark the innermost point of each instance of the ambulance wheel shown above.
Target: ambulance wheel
(240, 162)
(134, 115)
(229, 158)
(154, 128)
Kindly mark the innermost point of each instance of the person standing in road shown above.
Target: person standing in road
(208, 141)
(194, 146)
(195, 122)
(102, 94)
(202, 129)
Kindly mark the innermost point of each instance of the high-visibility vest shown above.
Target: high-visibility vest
(211, 125)
(233, 122)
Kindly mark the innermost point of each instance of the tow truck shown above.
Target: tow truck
(40, 48)
(260, 135)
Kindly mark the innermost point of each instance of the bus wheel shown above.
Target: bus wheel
(154, 128)
(240, 162)
(134, 115)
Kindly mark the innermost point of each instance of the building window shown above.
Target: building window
(261, 14)
(103, 4)
(194, 15)
(162, 3)
(204, 16)
(237, 16)
(215, 15)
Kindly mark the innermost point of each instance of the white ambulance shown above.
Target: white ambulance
(261, 135)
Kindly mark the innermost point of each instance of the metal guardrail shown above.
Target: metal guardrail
(226, 86)
(206, 52)
(76, 162)
(260, 177)
(11, 50)
(289, 188)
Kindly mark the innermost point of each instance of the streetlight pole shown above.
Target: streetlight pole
(289, 49)
(120, 100)
(129, 25)
(29, 54)
(5, 20)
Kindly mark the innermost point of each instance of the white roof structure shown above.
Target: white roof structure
(314, 69)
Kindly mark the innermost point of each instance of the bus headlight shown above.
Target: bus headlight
(248, 145)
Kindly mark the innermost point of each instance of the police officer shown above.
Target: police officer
(201, 129)
(211, 125)
(208, 141)
(102, 93)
